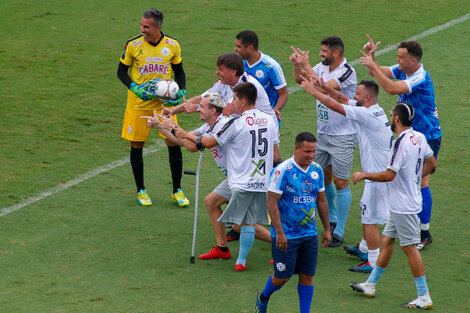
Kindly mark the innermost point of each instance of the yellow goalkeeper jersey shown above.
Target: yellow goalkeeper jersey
(148, 62)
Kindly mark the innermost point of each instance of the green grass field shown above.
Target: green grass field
(86, 245)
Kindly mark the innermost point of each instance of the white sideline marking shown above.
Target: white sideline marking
(61, 187)
(159, 145)
(393, 47)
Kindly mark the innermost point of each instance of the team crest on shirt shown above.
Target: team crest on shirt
(294, 176)
(259, 74)
(165, 51)
(288, 167)
(307, 187)
(314, 175)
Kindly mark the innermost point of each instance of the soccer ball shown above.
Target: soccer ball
(166, 89)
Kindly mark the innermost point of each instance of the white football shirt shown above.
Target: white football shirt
(218, 152)
(330, 122)
(407, 156)
(249, 142)
(373, 133)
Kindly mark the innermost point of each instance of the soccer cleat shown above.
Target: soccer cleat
(355, 251)
(180, 198)
(232, 235)
(143, 198)
(240, 267)
(362, 268)
(421, 303)
(368, 289)
(425, 242)
(215, 253)
(261, 306)
(336, 241)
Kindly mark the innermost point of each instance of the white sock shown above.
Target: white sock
(372, 256)
(363, 246)
(425, 226)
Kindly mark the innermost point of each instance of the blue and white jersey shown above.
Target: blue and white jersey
(421, 97)
(270, 75)
(298, 204)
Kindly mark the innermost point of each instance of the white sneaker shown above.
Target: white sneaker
(368, 289)
(421, 303)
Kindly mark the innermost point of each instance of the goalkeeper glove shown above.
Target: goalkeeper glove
(141, 91)
(178, 100)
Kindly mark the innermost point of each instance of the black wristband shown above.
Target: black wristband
(198, 143)
(173, 131)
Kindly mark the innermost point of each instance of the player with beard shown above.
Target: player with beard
(336, 134)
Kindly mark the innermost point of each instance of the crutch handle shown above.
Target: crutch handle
(190, 172)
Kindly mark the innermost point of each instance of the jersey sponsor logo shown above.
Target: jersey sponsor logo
(288, 167)
(281, 267)
(314, 175)
(416, 140)
(260, 168)
(136, 43)
(170, 42)
(129, 129)
(215, 153)
(154, 68)
(154, 59)
(165, 51)
(277, 173)
(259, 74)
(256, 185)
(294, 176)
(256, 121)
(309, 216)
(436, 115)
(304, 199)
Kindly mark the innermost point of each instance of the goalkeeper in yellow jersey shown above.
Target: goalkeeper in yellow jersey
(149, 56)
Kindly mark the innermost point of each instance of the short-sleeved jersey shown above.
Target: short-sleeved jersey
(269, 74)
(218, 152)
(298, 203)
(148, 62)
(249, 142)
(406, 159)
(330, 122)
(421, 97)
(373, 133)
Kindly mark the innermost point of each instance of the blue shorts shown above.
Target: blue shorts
(435, 145)
(300, 257)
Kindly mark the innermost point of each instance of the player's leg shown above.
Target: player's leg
(136, 131)
(306, 267)
(213, 202)
(372, 237)
(323, 158)
(425, 214)
(175, 158)
(284, 266)
(247, 237)
(417, 268)
(341, 149)
(262, 233)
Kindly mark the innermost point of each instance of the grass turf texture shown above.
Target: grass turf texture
(91, 248)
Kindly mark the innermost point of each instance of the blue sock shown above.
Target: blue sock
(305, 297)
(343, 202)
(376, 274)
(330, 193)
(425, 214)
(421, 285)
(269, 289)
(247, 236)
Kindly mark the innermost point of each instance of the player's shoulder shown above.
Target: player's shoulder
(170, 40)
(269, 61)
(135, 41)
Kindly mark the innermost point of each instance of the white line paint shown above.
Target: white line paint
(61, 187)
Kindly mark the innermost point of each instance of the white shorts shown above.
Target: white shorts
(337, 151)
(405, 227)
(374, 203)
(246, 207)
